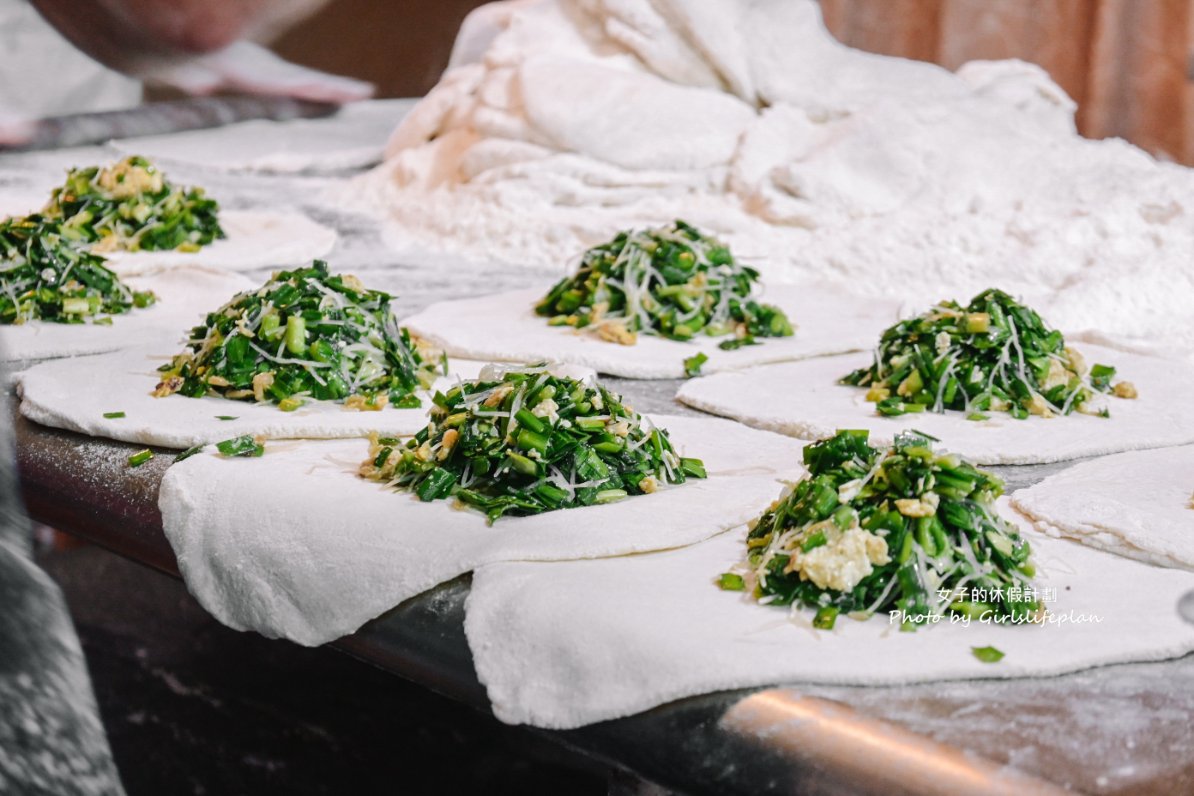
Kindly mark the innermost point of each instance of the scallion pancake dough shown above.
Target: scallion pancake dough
(804, 399)
(1135, 504)
(184, 296)
(122, 382)
(13, 204)
(296, 545)
(255, 239)
(504, 327)
(353, 138)
(676, 634)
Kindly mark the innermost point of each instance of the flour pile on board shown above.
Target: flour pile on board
(562, 121)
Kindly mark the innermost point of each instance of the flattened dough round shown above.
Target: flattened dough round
(504, 327)
(804, 399)
(295, 545)
(255, 239)
(1135, 504)
(353, 138)
(123, 381)
(662, 612)
(185, 295)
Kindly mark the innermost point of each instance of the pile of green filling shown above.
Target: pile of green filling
(523, 441)
(902, 529)
(43, 277)
(669, 281)
(130, 205)
(48, 266)
(994, 354)
(304, 334)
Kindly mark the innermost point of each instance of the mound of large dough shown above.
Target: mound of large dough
(562, 121)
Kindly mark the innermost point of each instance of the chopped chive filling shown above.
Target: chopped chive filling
(46, 270)
(140, 457)
(694, 363)
(994, 354)
(244, 445)
(130, 205)
(987, 654)
(902, 530)
(523, 441)
(44, 277)
(731, 581)
(305, 334)
(672, 281)
(114, 415)
(189, 452)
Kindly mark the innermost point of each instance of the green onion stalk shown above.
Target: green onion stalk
(671, 281)
(903, 530)
(305, 334)
(131, 206)
(44, 277)
(994, 354)
(523, 441)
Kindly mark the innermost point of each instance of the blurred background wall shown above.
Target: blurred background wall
(402, 46)
(1128, 63)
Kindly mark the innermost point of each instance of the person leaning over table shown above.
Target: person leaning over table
(51, 738)
(76, 56)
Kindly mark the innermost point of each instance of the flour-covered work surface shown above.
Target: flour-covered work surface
(183, 296)
(1138, 504)
(50, 395)
(678, 634)
(295, 544)
(505, 327)
(805, 399)
(352, 139)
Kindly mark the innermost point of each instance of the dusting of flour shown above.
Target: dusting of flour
(562, 121)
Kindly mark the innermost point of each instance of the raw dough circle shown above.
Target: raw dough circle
(295, 545)
(804, 399)
(184, 294)
(353, 138)
(1135, 504)
(504, 327)
(50, 395)
(255, 239)
(669, 614)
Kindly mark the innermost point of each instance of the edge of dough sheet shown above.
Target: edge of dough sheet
(803, 399)
(50, 397)
(256, 239)
(571, 682)
(504, 327)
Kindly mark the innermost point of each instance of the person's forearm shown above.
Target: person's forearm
(134, 36)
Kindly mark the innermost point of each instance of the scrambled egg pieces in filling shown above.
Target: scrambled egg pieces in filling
(842, 561)
(126, 178)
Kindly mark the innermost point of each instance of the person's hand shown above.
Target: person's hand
(198, 46)
(249, 68)
(14, 131)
